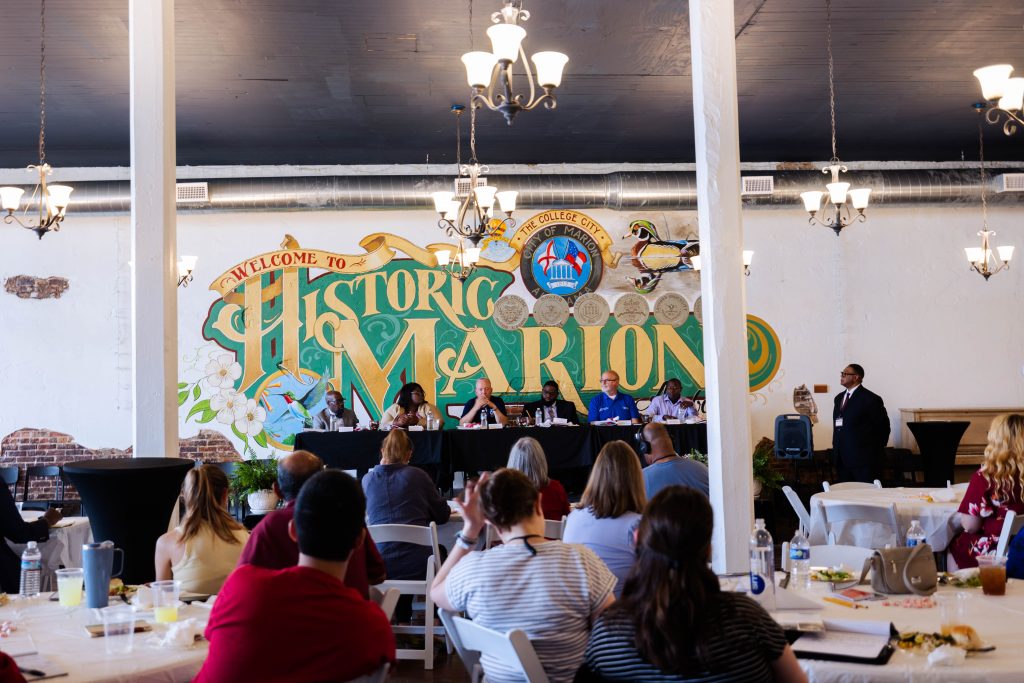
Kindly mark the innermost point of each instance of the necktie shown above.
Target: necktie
(846, 397)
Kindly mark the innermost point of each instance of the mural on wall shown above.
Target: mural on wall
(293, 323)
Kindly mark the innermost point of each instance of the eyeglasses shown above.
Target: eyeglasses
(606, 381)
(848, 374)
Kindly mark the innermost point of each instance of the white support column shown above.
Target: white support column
(154, 250)
(716, 129)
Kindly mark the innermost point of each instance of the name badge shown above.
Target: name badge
(839, 422)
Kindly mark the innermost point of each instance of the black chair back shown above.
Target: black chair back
(43, 472)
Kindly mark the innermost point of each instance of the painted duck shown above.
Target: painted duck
(656, 254)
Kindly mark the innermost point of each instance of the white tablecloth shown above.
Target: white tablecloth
(996, 619)
(60, 636)
(940, 521)
(64, 549)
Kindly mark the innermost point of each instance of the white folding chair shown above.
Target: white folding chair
(850, 556)
(387, 600)
(884, 515)
(1012, 523)
(847, 485)
(513, 648)
(418, 535)
(378, 676)
(798, 507)
(554, 528)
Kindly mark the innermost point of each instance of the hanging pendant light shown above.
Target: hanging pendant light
(983, 261)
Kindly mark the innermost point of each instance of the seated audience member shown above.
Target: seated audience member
(528, 457)
(302, 623)
(665, 467)
(495, 407)
(336, 409)
(994, 490)
(551, 590)
(671, 404)
(610, 509)
(17, 530)
(271, 546)
(673, 623)
(202, 550)
(399, 493)
(610, 404)
(410, 408)
(551, 406)
(1015, 557)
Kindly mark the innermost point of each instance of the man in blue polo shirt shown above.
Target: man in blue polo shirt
(610, 404)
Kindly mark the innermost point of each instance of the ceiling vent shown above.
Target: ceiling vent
(192, 193)
(1010, 182)
(464, 186)
(758, 184)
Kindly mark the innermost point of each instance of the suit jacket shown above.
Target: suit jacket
(322, 420)
(566, 409)
(865, 429)
(14, 528)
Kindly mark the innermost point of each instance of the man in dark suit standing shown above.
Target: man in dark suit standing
(552, 406)
(861, 428)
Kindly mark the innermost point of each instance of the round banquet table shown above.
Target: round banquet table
(940, 521)
(64, 549)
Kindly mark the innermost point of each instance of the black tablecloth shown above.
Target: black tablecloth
(472, 450)
(684, 436)
(361, 450)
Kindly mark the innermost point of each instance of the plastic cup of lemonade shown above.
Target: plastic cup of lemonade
(165, 601)
(951, 611)
(69, 587)
(992, 570)
(118, 628)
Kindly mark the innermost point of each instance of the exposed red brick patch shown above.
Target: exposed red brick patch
(30, 287)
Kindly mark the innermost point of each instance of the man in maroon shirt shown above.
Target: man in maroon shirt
(270, 545)
(302, 623)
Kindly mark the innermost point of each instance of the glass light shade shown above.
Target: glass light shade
(442, 200)
(479, 66)
(10, 197)
(505, 41)
(837, 192)
(444, 257)
(472, 255)
(1005, 253)
(748, 257)
(549, 68)
(485, 196)
(1013, 96)
(507, 200)
(695, 262)
(812, 200)
(186, 264)
(859, 197)
(59, 195)
(993, 80)
(452, 213)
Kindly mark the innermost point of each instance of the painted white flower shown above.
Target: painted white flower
(227, 403)
(249, 418)
(222, 371)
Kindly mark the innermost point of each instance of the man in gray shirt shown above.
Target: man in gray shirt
(665, 467)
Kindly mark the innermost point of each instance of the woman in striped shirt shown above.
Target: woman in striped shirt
(672, 622)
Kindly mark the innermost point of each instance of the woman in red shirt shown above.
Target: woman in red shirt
(528, 457)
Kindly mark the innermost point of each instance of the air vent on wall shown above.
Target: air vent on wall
(758, 184)
(1010, 182)
(192, 193)
(463, 186)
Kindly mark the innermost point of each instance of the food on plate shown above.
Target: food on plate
(965, 636)
(117, 587)
(916, 640)
(4, 599)
(830, 574)
(970, 578)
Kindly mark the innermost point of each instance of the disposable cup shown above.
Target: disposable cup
(952, 607)
(118, 628)
(69, 587)
(992, 570)
(165, 601)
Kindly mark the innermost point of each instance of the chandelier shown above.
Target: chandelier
(982, 260)
(486, 71)
(837, 213)
(186, 264)
(748, 258)
(52, 200)
(1004, 96)
(467, 214)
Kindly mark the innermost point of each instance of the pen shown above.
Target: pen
(32, 672)
(845, 603)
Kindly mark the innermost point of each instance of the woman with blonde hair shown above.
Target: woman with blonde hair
(996, 488)
(202, 550)
(610, 509)
(528, 457)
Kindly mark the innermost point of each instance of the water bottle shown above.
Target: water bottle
(430, 422)
(483, 418)
(31, 570)
(762, 566)
(333, 426)
(915, 534)
(538, 418)
(800, 561)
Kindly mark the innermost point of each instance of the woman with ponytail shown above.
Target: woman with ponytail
(202, 550)
(672, 622)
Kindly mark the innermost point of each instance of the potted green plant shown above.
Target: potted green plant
(765, 475)
(254, 478)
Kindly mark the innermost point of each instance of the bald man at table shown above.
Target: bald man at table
(17, 530)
